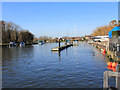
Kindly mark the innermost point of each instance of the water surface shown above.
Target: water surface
(38, 67)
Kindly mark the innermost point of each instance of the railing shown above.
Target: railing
(108, 74)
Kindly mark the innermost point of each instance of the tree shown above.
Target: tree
(40, 38)
(35, 39)
(103, 30)
(7, 36)
(113, 23)
(25, 36)
(14, 36)
(15, 33)
(20, 37)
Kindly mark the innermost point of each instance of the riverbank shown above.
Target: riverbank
(114, 55)
(17, 43)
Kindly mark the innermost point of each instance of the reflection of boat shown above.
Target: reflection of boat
(75, 43)
(41, 42)
(12, 44)
(68, 42)
(22, 44)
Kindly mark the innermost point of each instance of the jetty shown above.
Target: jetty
(61, 47)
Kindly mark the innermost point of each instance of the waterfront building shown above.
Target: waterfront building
(72, 38)
(88, 37)
(114, 39)
(100, 38)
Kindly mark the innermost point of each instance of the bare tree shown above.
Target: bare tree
(35, 39)
(14, 32)
(103, 30)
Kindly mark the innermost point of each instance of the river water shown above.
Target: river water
(37, 66)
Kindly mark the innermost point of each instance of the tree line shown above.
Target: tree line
(46, 39)
(12, 32)
(103, 30)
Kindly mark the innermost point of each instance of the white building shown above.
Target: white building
(101, 38)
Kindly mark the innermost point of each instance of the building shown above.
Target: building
(114, 39)
(72, 38)
(88, 37)
(104, 38)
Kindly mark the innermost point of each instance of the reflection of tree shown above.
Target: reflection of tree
(9, 54)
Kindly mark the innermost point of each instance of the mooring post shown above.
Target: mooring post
(108, 74)
(118, 78)
(66, 42)
(118, 83)
(59, 42)
(118, 48)
(105, 80)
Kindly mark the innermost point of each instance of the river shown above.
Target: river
(37, 66)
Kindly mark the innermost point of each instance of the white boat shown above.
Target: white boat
(41, 42)
(12, 44)
(75, 43)
(22, 44)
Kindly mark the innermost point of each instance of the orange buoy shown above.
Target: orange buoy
(114, 69)
(104, 51)
(109, 64)
(114, 64)
(108, 67)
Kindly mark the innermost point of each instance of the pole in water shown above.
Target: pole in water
(59, 42)
(66, 42)
(118, 78)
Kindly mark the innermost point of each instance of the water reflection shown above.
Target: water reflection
(15, 52)
(59, 54)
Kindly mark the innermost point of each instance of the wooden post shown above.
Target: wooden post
(66, 42)
(116, 54)
(110, 47)
(59, 42)
(118, 47)
(118, 83)
(118, 78)
(118, 50)
(108, 74)
(105, 80)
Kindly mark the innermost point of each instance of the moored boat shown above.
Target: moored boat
(75, 43)
(22, 44)
(41, 42)
(12, 44)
